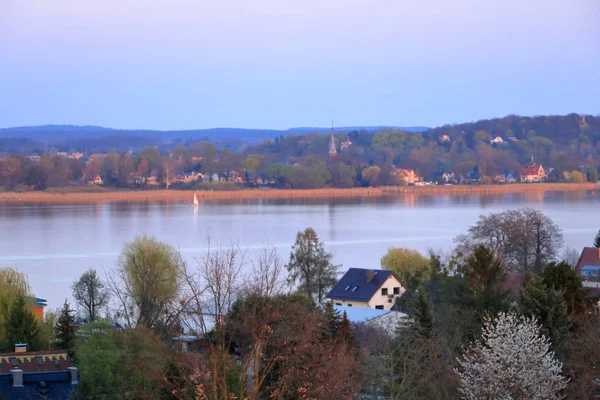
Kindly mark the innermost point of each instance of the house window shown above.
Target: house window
(338, 304)
(384, 292)
(347, 287)
(379, 307)
(396, 290)
(355, 288)
(349, 305)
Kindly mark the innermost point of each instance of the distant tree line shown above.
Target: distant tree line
(567, 146)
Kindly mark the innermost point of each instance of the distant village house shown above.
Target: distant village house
(406, 176)
(533, 173)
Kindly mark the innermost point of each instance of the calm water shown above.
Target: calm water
(54, 244)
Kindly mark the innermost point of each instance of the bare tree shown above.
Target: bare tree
(525, 239)
(266, 277)
(91, 294)
(570, 256)
(212, 287)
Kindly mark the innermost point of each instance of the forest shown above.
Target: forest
(568, 147)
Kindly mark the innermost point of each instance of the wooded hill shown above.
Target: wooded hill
(567, 146)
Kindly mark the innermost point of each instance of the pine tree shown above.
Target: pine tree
(421, 311)
(332, 321)
(483, 274)
(21, 326)
(597, 240)
(345, 333)
(65, 329)
(547, 306)
(562, 277)
(512, 361)
(310, 266)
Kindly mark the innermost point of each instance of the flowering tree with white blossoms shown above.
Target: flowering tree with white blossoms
(512, 361)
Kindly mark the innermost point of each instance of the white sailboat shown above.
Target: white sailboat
(195, 201)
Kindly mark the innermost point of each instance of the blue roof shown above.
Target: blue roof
(40, 302)
(360, 315)
(354, 285)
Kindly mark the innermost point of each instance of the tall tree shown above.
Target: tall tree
(597, 240)
(91, 294)
(547, 306)
(526, 239)
(21, 326)
(420, 309)
(562, 277)
(310, 265)
(65, 329)
(484, 274)
(147, 284)
(512, 361)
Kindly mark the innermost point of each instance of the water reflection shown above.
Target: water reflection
(54, 244)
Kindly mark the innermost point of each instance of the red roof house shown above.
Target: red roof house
(590, 256)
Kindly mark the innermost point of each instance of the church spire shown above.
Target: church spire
(332, 149)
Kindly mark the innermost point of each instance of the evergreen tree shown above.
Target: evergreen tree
(65, 329)
(310, 266)
(345, 333)
(332, 321)
(562, 277)
(547, 306)
(483, 276)
(597, 240)
(420, 309)
(21, 326)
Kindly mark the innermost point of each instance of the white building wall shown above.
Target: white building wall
(387, 301)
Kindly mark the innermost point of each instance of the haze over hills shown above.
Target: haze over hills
(51, 133)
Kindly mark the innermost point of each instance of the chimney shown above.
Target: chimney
(20, 348)
(74, 375)
(17, 378)
(370, 275)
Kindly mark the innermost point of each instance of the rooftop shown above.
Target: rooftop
(35, 361)
(354, 285)
(360, 315)
(590, 256)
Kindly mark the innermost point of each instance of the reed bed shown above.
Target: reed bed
(242, 194)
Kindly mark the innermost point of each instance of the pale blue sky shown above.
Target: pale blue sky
(177, 64)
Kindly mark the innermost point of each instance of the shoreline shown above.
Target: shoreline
(248, 194)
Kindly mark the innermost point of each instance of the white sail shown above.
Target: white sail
(195, 202)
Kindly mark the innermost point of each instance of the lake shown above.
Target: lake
(54, 244)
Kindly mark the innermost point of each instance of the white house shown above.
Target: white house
(367, 288)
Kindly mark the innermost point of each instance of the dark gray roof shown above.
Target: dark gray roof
(354, 285)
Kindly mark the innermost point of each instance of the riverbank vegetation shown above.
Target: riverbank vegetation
(484, 152)
(502, 316)
(73, 195)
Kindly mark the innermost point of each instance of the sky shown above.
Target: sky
(183, 64)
